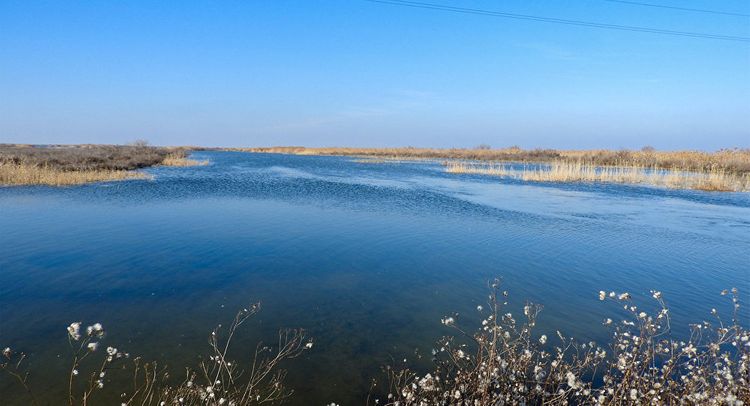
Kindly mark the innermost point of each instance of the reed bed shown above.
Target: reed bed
(733, 161)
(177, 159)
(477, 169)
(387, 160)
(373, 161)
(730, 161)
(416, 153)
(561, 171)
(22, 174)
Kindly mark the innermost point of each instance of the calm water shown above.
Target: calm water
(366, 257)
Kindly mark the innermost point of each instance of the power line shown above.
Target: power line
(698, 10)
(432, 6)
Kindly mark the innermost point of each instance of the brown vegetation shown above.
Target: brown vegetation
(23, 174)
(509, 154)
(724, 170)
(180, 159)
(84, 157)
(76, 164)
(560, 171)
(730, 161)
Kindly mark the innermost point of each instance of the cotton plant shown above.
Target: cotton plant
(503, 362)
(216, 381)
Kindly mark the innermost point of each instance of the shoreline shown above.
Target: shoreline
(726, 170)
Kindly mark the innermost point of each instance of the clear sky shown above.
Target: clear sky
(359, 73)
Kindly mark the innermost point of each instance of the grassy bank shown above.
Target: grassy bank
(504, 361)
(59, 165)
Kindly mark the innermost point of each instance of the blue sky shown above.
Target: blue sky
(358, 73)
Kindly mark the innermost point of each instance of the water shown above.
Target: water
(367, 257)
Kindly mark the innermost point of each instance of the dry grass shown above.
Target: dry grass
(23, 174)
(177, 159)
(561, 171)
(731, 161)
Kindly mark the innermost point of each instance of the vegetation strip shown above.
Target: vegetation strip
(59, 165)
(714, 181)
(180, 159)
(724, 170)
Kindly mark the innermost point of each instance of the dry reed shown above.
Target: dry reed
(477, 169)
(731, 161)
(385, 160)
(561, 171)
(21, 174)
(181, 160)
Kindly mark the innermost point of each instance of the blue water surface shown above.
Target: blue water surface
(367, 257)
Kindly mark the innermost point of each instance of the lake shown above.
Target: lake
(367, 257)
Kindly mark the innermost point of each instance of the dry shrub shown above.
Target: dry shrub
(59, 165)
(505, 363)
(217, 380)
(84, 157)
